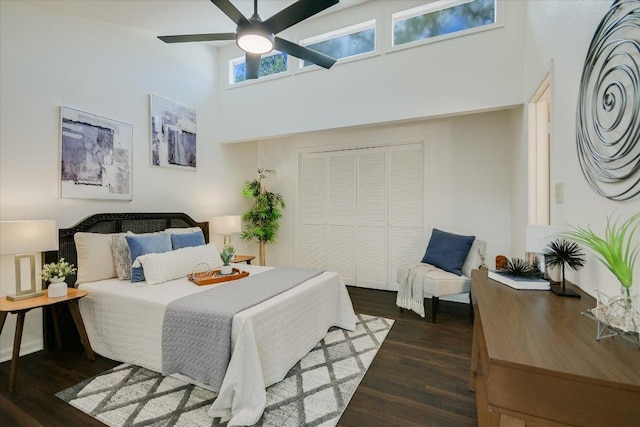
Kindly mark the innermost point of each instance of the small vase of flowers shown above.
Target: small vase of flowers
(55, 273)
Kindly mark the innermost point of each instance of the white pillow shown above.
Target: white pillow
(182, 230)
(95, 258)
(160, 268)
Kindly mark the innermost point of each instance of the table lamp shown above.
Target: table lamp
(227, 225)
(23, 239)
(538, 236)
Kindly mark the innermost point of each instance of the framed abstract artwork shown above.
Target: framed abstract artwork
(96, 156)
(173, 134)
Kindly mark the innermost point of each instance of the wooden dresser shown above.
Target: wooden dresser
(535, 361)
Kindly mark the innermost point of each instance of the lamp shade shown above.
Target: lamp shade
(226, 224)
(17, 237)
(539, 236)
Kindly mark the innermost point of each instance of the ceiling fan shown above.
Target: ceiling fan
(257, 37)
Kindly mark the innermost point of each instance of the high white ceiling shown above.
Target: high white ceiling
(167, 17)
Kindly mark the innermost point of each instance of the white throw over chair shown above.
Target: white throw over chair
(438, 283)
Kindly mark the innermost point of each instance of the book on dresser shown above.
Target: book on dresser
(520, 282)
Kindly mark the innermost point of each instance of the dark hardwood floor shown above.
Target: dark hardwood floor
(418, 378)
(420, 375)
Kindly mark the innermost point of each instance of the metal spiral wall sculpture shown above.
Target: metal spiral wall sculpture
(608, 117)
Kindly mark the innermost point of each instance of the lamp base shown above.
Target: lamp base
(17, 297)
(564, 292)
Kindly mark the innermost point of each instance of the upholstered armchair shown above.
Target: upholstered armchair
(428, 281)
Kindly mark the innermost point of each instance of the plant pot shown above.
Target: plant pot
(226, 269)
(57, 287)
(625, 311)
(618, 315)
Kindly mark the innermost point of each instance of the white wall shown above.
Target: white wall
(560, 32)
(471, 73)
(49, 60)
(467, 174)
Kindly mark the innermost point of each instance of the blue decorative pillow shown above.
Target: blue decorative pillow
(142, 245)
(448, 251)
(187, 240)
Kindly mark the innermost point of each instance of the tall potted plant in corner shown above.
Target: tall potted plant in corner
(261, 221)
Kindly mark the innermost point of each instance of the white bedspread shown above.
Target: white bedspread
(124, 323)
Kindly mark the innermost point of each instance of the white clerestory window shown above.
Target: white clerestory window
(352, 41)
(271, 64)
(355, 40)
(439, 18)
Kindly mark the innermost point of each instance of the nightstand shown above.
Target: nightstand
(21, 307)
(243, 258)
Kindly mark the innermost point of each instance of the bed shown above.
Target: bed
(124, 321)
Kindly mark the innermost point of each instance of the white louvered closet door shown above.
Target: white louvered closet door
(342, 215)
(405, 209)
(371, 219)
(362, 213)
(314, 211)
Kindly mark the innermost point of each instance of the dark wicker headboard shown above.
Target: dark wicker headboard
(116, 223)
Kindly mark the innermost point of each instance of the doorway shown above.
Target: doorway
(539, 137)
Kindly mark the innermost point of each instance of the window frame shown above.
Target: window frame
(436, 6)
(242, 59)
(341, 32)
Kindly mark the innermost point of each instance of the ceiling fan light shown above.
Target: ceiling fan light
(255, 43)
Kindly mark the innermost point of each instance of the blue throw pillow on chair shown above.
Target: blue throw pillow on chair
(448, 251)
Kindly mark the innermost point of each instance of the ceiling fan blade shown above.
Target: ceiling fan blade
(198, 37)
(299, 11)
(231, 11)
(304, 53)
(252, 61)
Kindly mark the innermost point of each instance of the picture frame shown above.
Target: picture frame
(96, 156)
(173, 134)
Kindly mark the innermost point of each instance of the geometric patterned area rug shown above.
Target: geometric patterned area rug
(315, 391)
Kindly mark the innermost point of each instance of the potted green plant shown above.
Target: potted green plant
(227, 254)
(616, 250)
(261, 221)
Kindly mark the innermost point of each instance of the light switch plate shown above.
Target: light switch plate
(559, 193)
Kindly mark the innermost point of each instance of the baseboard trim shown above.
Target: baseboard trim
(27, 347)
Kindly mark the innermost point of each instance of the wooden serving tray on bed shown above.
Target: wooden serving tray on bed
(214, 276)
